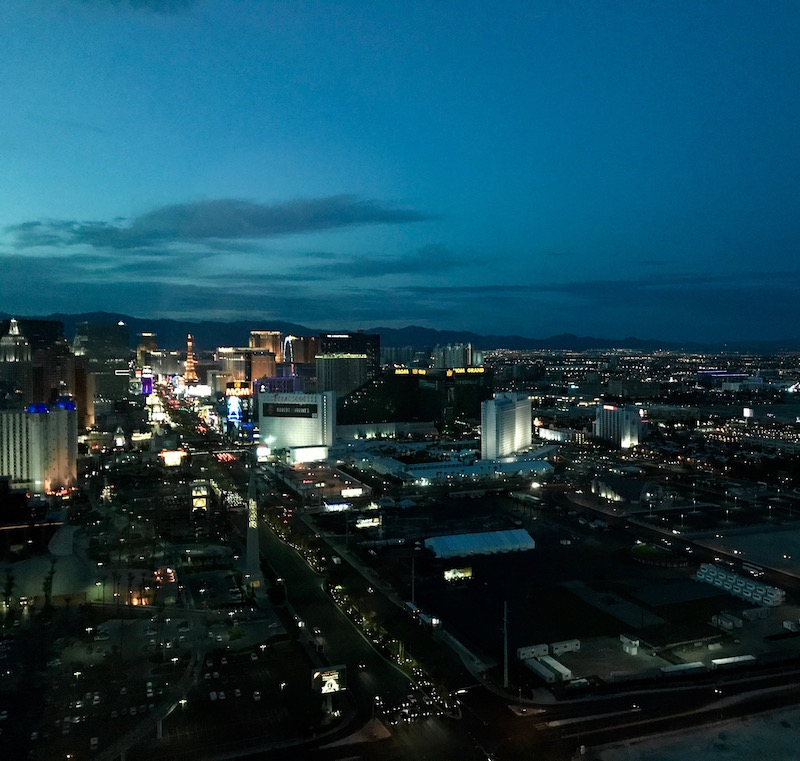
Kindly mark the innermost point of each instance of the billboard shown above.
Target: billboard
(147, 381)
(329, 680)
(368, 522)
(285, 409)
(234, 406)
(458, 574)
(172, 457)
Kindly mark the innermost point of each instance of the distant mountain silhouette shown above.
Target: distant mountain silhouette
(208, 334)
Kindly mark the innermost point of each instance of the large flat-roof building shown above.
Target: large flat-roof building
(506, 426)
(288, 420)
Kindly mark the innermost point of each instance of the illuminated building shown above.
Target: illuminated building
(105, 347)
(147, 345)
(190, 374)
(297, 420)
(403, 356)
(166, 363)
(245, 364)
(53, 372)
(16, 369)
(304, 349)
(354, 343)
(284, 383)
(623, 427)
(452, 355)
(231, 363)
(84, 393)
(38, 357)
(259, 363)
(505, 425)
(269, 340)
(299, 350)
(39, 446)
(341, 373)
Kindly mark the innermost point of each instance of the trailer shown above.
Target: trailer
(733, 661)
(540, 670)
(678, 669)
(566, 646)
(559, 669)
(532, 651)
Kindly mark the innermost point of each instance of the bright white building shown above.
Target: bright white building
(505, 425)
(39, 446)
(289, 420)
(623, 427)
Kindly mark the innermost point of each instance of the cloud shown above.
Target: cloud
(154, 6)
(426, 260)
(204, 221)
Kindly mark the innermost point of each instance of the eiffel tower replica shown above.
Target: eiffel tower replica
(190, 375)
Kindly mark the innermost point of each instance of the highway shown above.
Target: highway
(492, 727)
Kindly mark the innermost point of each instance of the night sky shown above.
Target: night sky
(603, 168)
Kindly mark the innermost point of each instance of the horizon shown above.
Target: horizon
(444, 334)
(619, 171)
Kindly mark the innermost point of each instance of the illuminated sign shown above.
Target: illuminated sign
(456, 574)
(273, 409)
(330, 680)
(309, 454)
(337, 507)
(262, 453)
(199, 489)
(368, 522)
(238, 388)
(234, 409)
(172, 457)
(199, 503)
(402, 371)
(609, 407)
(198, 390)
(355, 491)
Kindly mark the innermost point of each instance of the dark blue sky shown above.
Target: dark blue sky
(615, 168)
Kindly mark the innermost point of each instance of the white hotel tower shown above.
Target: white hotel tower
(505, 425)
(623, 427)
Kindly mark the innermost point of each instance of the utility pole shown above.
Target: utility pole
(413, 577)
(505, 645)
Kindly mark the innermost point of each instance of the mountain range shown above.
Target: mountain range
(208, 334)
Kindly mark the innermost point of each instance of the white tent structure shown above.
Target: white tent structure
(483, 543)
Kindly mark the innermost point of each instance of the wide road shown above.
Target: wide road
(341, 642)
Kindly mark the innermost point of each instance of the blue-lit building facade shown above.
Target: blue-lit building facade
(39, 446)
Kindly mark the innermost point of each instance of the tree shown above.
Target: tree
(47, 585)
(8, 587)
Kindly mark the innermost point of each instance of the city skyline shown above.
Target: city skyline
(622, 170)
